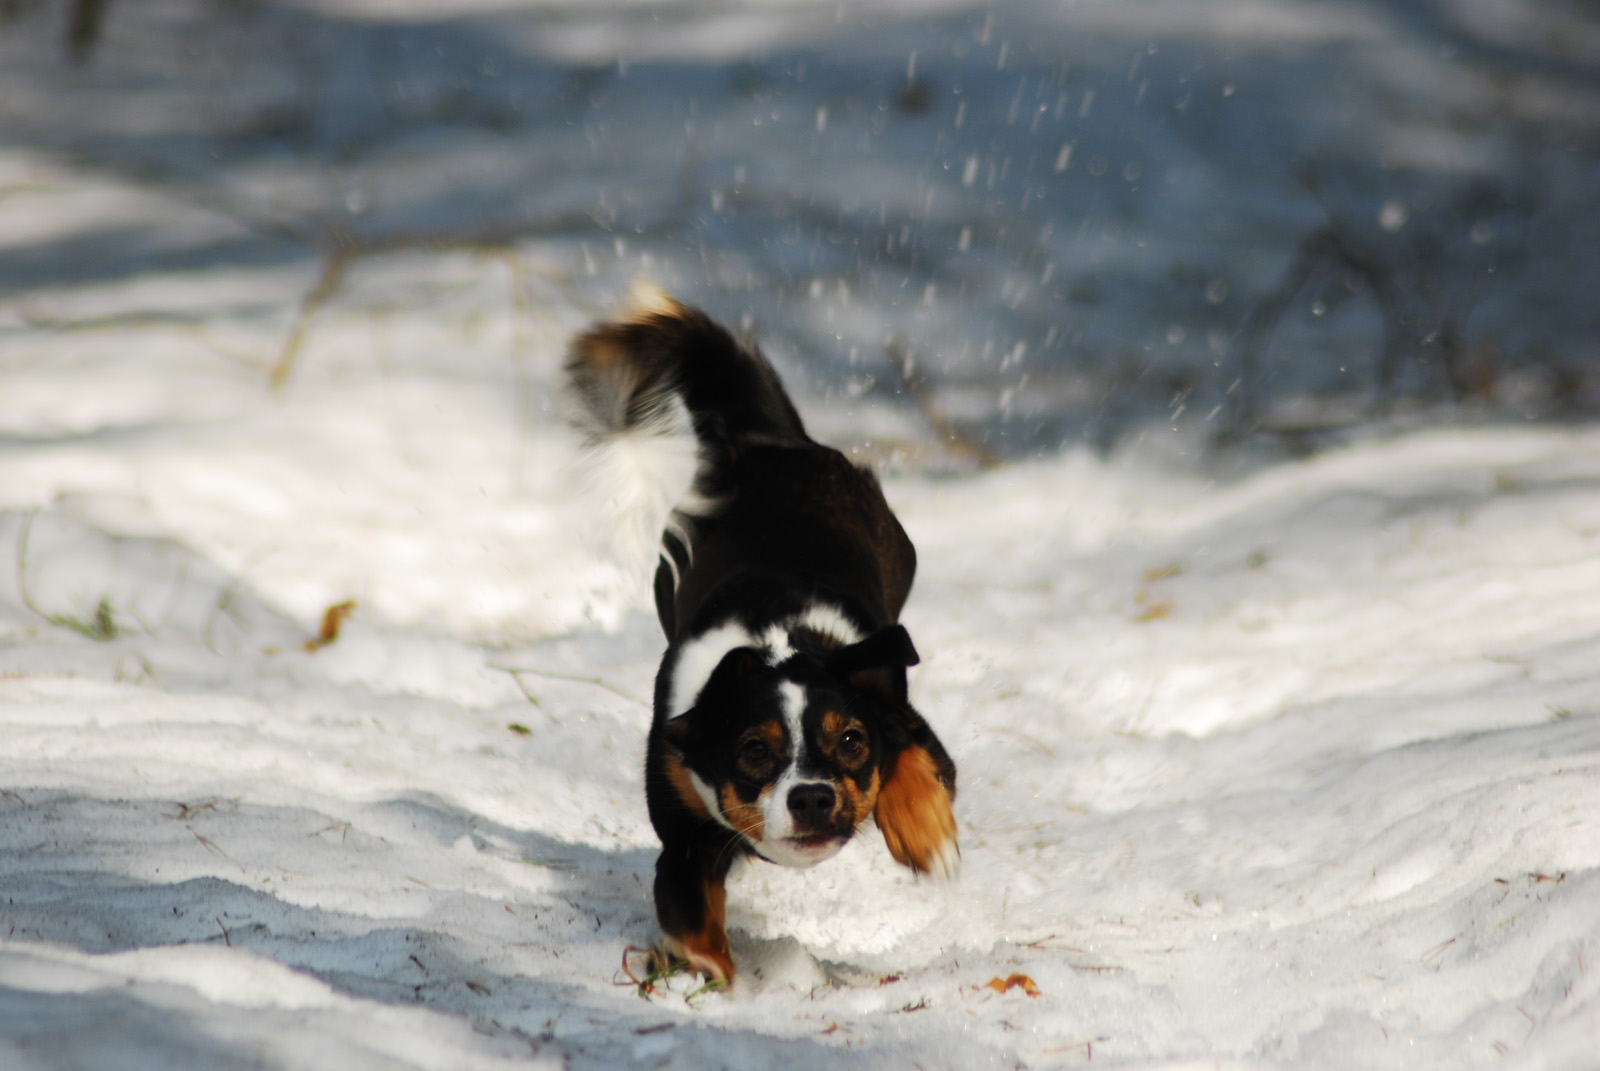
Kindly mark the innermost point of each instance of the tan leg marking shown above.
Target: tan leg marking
(706, 950)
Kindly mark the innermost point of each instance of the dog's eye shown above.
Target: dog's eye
(853, 744)
(755, 752)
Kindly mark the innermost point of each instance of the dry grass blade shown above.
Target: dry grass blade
(334, 265)
(333, 619)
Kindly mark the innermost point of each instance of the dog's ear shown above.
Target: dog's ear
(737, 664)
(878, 663)
(679, 731)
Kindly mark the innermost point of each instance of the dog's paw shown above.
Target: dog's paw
(914, 813)
(703, 957)
(945, 861)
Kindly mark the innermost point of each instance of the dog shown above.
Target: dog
(781, 721)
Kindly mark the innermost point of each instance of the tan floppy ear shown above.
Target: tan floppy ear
(915, 814)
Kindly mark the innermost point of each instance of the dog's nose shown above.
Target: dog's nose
(811, 804)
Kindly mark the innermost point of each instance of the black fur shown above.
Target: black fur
(789, 569)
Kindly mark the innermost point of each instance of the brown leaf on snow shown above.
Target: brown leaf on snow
(1153, 609)
(1016, 981)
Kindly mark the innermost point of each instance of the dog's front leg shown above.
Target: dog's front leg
(691, 903)
(914, 811)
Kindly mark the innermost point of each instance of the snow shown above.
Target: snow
(1269, 756)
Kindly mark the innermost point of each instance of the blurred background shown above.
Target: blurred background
(973, 231)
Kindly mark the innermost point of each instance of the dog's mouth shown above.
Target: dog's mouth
(801, 849)
(813, 843)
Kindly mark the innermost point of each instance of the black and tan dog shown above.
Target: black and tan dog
(781, 719)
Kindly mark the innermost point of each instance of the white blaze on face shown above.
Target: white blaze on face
(777, 824)
(777, 821)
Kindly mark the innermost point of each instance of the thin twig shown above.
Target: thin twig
(334, 264)
(22, 565)
(343, 248)
(104, 627)
(527, 693)
(1330, 244)
(553, 675)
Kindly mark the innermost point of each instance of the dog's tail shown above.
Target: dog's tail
(666, 398)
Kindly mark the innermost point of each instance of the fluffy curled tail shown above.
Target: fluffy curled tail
(626, 374)
(666, 399)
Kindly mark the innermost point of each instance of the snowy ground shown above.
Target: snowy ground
(1263, 761)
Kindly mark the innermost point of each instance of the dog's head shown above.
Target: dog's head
(788, 744)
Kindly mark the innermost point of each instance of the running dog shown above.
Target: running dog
(781, 722)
